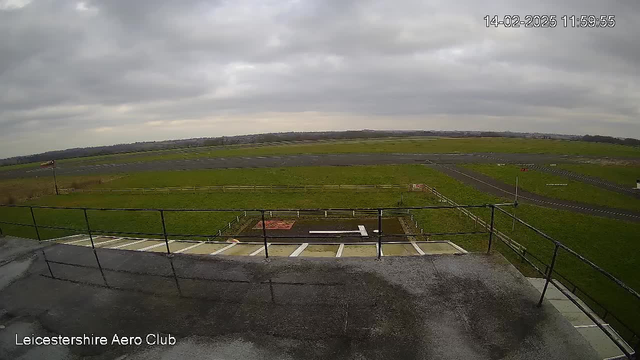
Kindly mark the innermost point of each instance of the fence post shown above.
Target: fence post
(549, 274)
(35, 225)
(493, 214)
(379, 233)
(164, 231)
(264, 236)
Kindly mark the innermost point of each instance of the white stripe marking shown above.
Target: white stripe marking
(127, 244)
(588, 326)
(107, 242)
(415, 246)
(340, 249)
(67, 237)
(259, 250)
(155, 246)
(77, 241)
(363, 231)
(458, 247)
(223, 249)
(188, 248)
(299, 250)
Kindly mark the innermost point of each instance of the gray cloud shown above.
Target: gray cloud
(100, 72)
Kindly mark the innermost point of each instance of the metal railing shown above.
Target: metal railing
(266, 238)
(550, 270)
(378, 213)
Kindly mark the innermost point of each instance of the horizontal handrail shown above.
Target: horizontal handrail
(574, 253)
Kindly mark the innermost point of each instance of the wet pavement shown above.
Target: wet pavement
(474, 306)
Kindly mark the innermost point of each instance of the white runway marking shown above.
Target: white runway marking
(189, 248)
(77, 241)
(340, 250)
(127, 244)
(361, 230)
(259, 250)
(107, 242)
(156, 245)
(223, 249)
(415, 246)
(299, 250)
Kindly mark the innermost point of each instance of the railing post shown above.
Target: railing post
(493, 214)
(86, 220)
(47, 262)
(379, 233)
(164, 232)
(549, 274)
(35, 225)
(264, 236)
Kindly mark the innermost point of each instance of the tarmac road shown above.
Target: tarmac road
(293, 160)
(492, 186)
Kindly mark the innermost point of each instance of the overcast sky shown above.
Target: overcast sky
(104, 72)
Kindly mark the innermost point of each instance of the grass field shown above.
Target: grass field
(18, 190)
(536, 182)
(422, 145)
(610, 243)
(625, 175)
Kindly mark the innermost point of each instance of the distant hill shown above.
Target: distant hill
(290, 136)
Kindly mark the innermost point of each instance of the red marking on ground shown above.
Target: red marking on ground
(276, 224)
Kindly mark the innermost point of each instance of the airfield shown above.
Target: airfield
(189, 212)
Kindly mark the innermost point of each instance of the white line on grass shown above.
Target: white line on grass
(340, 250)
(299, 250)
(223, 249)
(189, 248)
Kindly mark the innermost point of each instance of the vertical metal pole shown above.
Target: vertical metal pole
(493, 214)
(35, 225)
(164, 231)
(175, 277)
(379, 233)
(264, 236)
(86, 220)
(48, 265)
(513, 225)
(93, 247)
(55, 181)
(549, 274)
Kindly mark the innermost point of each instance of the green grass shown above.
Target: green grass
(376, 174)
(536, 182)
(17, 190)
(413, 145)
(625, 175)
(610, 243)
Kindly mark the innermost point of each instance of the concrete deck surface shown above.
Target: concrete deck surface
(472, 306)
